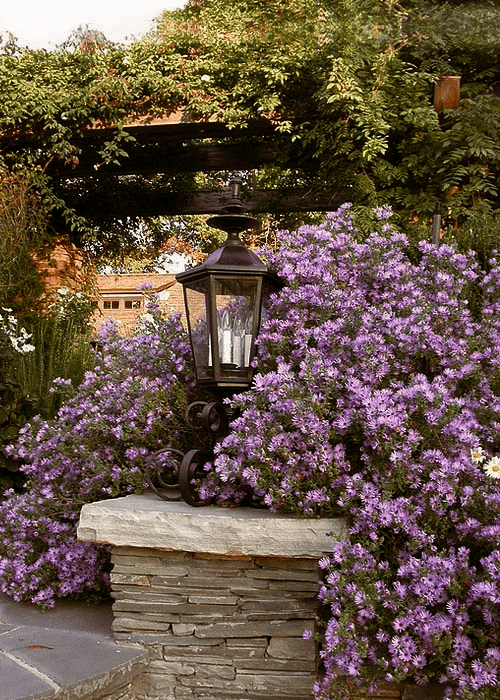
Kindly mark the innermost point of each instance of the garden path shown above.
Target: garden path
(63, 652)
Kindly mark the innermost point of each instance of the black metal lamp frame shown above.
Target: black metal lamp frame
(235, 270)
(181, 479)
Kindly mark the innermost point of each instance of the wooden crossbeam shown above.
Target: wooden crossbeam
(264, 201)
(156, 204)
(165, 157)
(173, 144)
(179, 125)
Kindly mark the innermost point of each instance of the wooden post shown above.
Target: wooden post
(447, 93)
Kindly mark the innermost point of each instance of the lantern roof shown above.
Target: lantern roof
(233, 256)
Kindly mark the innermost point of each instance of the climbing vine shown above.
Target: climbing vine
(348, 86)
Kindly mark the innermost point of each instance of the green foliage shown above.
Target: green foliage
(480, 232)
(347, 83)
(49, 346)
(50, 98)
(380, 132)
(23, 232)
(469, 153)
(455, 37)
(62, 349)
(353, 92)
(61, 332)
(243, 61)
(16, 407)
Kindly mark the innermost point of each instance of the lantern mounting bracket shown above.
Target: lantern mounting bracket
(180, 477)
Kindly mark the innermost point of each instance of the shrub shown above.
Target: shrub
(16, 407)
(59, 347)
(376, 379)
(129, 406)
(61, 336)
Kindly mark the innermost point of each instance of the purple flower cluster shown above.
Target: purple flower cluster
(378, 374)
(130, 405)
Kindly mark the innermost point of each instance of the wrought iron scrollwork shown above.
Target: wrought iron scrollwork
(162, 474)
(190, 474)
(210, 416)
(174, 476)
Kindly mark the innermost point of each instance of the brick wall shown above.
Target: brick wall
(64, 266)
(119, 298)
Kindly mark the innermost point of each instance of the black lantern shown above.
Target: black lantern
(223, 298)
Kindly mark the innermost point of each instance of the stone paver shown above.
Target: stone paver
(72, 645)
(145, 521)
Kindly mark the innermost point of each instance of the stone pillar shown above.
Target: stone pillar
(220, 597)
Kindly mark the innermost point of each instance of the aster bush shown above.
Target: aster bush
(378, 397)
(130, 405)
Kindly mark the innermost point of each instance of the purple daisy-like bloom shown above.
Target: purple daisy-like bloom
(96, 447)
(376, 386)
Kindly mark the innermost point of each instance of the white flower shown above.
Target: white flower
(492, 468)
(477, 455)
(205, 78)
(21, 344)
(19, 340)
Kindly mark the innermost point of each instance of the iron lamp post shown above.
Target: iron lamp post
(224, 299)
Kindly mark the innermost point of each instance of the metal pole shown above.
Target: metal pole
(436, 224)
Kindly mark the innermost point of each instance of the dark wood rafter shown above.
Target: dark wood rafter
(178, 145)
(163, 157)
(171, 145)
(127, 203)
(179, 126)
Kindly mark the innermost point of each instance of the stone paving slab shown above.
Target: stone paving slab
(43, 653)
(18, 681)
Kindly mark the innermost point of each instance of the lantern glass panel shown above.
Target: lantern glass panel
(198, 324)
(237, 302)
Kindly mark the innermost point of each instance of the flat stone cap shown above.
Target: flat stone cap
(146, 521)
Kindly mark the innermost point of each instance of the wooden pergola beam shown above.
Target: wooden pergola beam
(157, 204)
(163, 158)
(172, 144)
(178, 126)
(260, 201)
(268, 200)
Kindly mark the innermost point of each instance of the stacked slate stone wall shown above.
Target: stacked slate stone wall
(217, 627)
(219, 599)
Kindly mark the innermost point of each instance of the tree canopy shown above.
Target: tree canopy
(345, 88)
